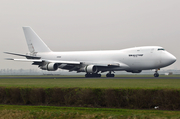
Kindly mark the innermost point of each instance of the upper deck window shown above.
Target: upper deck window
(161, 49)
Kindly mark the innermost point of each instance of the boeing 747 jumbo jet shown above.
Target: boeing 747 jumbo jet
(93, 63)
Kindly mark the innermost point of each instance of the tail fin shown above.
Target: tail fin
(34, 42)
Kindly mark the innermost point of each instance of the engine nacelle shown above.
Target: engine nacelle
(89, 69)
(134, 71)
(50, 67)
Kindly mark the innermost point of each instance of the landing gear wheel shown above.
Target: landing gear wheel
(87, 75)
(98, 75)
(156, 75)
(92, 75)
(109, 75)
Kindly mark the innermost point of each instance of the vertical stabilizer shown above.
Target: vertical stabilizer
(34, 42)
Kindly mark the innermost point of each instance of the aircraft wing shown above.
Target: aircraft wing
(68, 65)
(105, 64)
(41, 60)
(63, 62)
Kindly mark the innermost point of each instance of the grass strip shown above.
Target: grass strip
(52, 112)
(93, 83)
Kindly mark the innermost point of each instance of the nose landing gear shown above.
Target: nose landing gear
(156, 74)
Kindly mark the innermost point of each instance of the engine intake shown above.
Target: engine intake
(91, 69)
(50, 67)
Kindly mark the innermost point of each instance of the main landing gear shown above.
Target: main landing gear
(92, 75)
(109, 74)
(156, 74)
(88, 75)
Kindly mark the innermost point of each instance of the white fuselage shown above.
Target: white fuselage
(138, 58)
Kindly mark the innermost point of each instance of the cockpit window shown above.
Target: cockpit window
(161, 49)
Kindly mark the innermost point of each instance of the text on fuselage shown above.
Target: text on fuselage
(135, 55)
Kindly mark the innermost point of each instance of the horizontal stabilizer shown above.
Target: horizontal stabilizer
(25, 60)
(50, 61)
(27, 56)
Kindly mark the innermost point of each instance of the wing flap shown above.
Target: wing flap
(107, 64)
(111, 64)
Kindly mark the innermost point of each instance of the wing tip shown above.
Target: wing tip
(9, 59)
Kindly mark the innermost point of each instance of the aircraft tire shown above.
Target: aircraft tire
(110, 75)
(86, 75)
(98, 75)
(92, 75)
(156, 75)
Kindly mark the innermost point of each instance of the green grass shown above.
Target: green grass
(93, 82)
(50, 112)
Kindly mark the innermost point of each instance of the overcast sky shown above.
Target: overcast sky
(67, 25)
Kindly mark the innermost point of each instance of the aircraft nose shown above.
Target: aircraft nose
(168, 59)
(173, 58)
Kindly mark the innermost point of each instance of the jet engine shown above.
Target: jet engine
(50, 67)
(134, 71)
(89, 69)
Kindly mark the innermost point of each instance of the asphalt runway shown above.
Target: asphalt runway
(60, 77)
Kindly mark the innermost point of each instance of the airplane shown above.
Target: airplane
(93, 63)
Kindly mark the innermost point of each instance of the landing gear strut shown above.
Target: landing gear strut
(156, 74)
(92, 75)
(109, 74)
